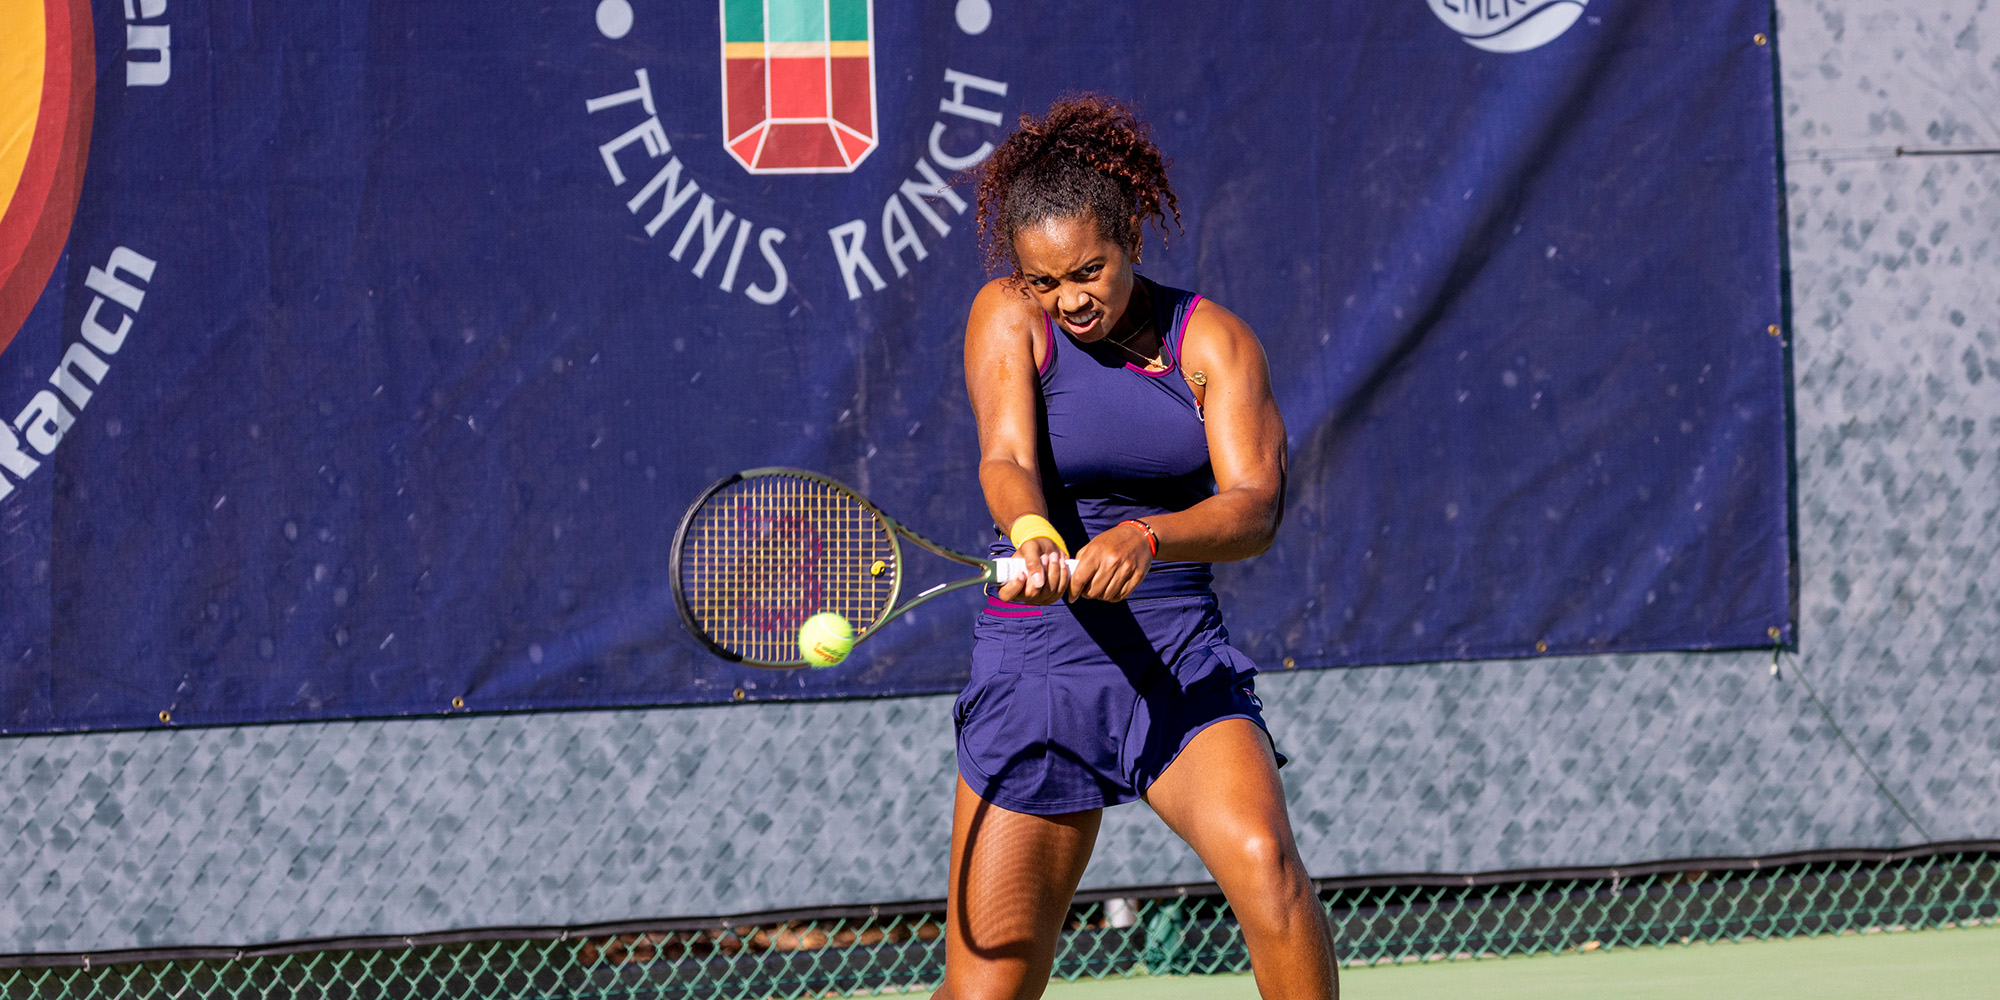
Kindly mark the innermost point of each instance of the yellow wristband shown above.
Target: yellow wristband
(1035, 526)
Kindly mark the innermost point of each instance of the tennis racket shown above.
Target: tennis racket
(761, 551)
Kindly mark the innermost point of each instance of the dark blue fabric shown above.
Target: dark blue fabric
(1083, 706)
(414, 399)
(1123, 443)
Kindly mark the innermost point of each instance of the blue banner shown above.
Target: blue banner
(362, 359)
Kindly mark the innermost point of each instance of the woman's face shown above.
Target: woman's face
(1081, 278)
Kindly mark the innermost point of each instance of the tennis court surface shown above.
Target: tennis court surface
(1949, 964)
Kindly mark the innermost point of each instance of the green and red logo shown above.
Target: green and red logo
(798, 84)
(48, 73)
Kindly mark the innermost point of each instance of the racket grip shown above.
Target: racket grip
(1012, 566)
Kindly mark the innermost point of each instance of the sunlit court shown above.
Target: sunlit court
(994, 499)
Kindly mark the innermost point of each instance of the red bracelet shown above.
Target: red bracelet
(1152, 540)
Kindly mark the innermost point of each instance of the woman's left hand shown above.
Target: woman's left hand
(1110, 567)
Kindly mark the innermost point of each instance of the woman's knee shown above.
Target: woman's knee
(1265, 859)
(1266, 873)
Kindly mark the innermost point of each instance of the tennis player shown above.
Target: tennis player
(1131, 426)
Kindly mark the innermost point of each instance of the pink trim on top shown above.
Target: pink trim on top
(1180, 336)
(1007, 609)
(1049, 344)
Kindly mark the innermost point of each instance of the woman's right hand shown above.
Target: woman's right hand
(1044, 579)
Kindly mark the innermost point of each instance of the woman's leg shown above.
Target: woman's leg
(1223, 797)
(1012, 877)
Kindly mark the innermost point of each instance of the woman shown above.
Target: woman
(1132, 425)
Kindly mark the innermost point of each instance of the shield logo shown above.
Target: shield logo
(798, 84)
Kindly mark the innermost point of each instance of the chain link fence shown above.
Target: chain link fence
(1184, 933)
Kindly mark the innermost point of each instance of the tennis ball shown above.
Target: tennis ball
(825, 639)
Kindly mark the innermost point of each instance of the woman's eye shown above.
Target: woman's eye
(1092, 270)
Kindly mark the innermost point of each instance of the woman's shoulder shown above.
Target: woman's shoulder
(1004, 321)
(1005, 299)
(1213, 332)
(1004, 310)
(1212, 315)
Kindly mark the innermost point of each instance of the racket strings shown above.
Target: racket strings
(768, 552)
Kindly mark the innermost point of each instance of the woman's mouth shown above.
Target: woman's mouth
(1080, 323)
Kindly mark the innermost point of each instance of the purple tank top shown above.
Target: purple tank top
(1121, 442)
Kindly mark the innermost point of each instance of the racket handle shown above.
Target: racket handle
(1012, 566)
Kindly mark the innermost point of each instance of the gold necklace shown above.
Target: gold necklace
(1158, 359)
(1155, 360)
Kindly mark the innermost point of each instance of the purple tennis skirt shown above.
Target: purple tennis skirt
(1082, 706)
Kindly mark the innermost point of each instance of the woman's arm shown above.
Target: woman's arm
(1002, 344)
(1246, 448)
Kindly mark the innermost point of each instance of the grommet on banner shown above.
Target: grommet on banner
(1761, 39)
(1541, 646)
(1290, 663)
(1773, 330)
(457, 702)
(1773, 632)
(736, 695)
(166, 716)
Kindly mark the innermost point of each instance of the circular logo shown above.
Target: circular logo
(1508, 25)
(47, 88)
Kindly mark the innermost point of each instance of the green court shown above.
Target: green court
(1952, 964)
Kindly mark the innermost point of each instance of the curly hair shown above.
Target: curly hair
(1088, 154)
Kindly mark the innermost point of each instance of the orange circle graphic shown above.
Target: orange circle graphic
(48, 74)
